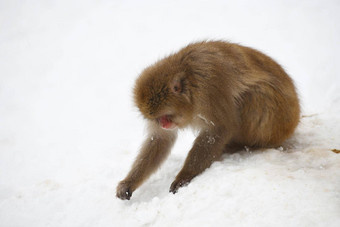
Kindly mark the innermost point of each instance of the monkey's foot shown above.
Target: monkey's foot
(124, 191)
(178, 184)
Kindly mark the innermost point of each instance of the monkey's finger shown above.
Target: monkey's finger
(124, 195)
(178, 184)
(173, 188)
(123, 191)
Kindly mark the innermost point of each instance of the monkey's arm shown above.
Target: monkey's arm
(153, 152)
(208, 147)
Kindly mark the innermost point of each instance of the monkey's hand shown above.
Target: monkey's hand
(178, 183)
(124, 191)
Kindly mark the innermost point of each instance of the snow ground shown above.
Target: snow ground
(69, 131)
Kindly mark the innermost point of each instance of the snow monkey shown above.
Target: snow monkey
(233, 95)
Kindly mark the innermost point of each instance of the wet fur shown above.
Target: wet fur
(234, 95)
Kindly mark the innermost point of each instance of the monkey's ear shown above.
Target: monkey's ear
(177, 84)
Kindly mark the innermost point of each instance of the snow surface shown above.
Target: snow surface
(69, 131)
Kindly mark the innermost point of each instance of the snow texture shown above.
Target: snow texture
(69, 131)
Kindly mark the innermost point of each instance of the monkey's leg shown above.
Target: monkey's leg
(208, 147)
(153, 152)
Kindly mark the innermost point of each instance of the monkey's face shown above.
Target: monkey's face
(164, 98)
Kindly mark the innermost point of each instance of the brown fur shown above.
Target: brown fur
(234, 95)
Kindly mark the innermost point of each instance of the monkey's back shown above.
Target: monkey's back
(270, 109)
(245, 90)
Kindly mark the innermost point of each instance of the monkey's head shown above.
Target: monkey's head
(162, 94)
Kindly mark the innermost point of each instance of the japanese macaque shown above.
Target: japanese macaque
(233, 95)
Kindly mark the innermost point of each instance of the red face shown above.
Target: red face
(166, 122)
(163, 99)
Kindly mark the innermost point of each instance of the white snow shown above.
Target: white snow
(69, 131)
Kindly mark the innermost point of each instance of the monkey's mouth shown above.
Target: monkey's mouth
(166, 122)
